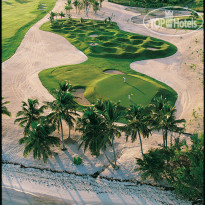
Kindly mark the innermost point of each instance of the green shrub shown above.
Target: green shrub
(153, 164)
(181, 165)
(77, 160)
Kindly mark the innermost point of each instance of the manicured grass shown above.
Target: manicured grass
(182, 19)
(114, 49)
(17, 17)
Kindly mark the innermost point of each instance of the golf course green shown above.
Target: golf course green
(108, 48)
(17, 17)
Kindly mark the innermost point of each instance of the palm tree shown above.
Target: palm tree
(80, 7)
(86, 4)
(138, 123)
(101, 3)
(29, 113)
(93, 127)
(52, 15)
(71, 107)
(56, 15)
(61, 14)
(112, 112)
(76, 3)
(163, 118)
(68, 8)
(38, 140)
(95, 6)
(62, 108)
(4, 110)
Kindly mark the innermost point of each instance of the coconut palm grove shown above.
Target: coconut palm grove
(100, 105)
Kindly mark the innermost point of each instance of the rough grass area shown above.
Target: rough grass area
(180, 20)
(196, 5)
(115, 49)
(17, 17)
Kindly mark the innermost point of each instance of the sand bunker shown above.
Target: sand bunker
(80, 94)
(93, 44)
(152, 49)
(113, 72)
(94, 35)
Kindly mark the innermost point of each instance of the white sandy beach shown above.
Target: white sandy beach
(40, 50)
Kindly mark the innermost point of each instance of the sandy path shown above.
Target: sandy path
(41, 50)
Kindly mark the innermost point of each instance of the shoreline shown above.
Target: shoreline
(84, 190)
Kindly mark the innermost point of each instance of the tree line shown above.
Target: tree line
(98, 123)
(180, 164)
(79, 6)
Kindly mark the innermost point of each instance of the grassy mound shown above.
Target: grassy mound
(17, 18)
(107, 49)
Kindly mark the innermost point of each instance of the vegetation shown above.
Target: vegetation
(30, 113)
(138, 123)
(77, 160)
(109, 48)
(196, 5)
(180, 164)
(4, 109)
(63, 108)
(38, 140)
(163, 118)
(17, 18)
(99, 129)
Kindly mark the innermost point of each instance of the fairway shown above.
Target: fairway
(107, 47)
(17, 17)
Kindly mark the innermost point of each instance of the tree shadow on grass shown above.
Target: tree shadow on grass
(22, 1)
(136, 88)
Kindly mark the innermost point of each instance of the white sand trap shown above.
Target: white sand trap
(113, 72)
(80, 94)
(152, 49)
(93, 44)
(94, 35)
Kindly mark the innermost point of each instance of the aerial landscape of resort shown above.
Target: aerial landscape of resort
(102, 102)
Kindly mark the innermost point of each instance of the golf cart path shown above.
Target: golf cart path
(40, 50)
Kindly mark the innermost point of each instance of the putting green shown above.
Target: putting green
(107, 47)
(17, 17)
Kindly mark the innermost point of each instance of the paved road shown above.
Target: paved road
(16, 197)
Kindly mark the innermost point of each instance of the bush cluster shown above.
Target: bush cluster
(181, 165)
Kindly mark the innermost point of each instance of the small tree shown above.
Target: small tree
(4, 110)
(61, 14)
(80, 7)
(112, 112)
(76, 3)
(68, 8)
(62, 108)
(101, 3)
(29, 113)
(95, 6)
(138, 123)
(38, 140)
(86, 4)
(93, 127)
(163, 118)
(52, 15)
